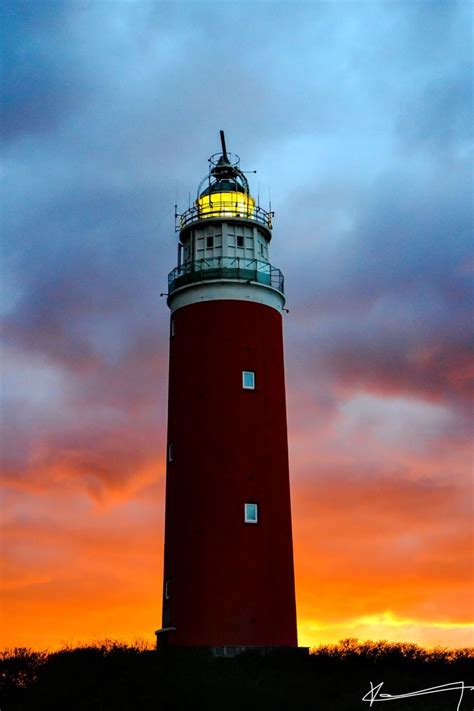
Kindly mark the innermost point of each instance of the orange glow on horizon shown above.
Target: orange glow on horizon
(382, 548)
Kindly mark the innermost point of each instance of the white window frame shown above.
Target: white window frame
(246, 518)
(248, 372)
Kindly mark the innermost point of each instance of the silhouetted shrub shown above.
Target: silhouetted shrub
(114, 676)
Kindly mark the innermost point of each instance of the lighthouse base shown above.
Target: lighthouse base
(164, 647)
(233, 651)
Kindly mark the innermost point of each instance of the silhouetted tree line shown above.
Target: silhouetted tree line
(113, 676)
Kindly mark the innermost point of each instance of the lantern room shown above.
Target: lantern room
(227, 191)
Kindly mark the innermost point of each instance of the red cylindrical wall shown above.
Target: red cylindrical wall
(231, 583)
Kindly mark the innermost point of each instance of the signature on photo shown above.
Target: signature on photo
(374, 694)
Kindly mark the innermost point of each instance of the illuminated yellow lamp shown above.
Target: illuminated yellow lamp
(226, 204)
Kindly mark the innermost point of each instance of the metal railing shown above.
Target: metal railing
(222, 210)
(238, 268)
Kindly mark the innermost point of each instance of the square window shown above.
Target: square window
(209, 242)
(250, 513)
(248, 380)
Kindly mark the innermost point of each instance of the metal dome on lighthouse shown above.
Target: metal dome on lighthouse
(228, 579)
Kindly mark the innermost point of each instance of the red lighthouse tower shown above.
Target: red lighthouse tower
(228, 563)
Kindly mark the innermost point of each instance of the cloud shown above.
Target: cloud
(385, 302)
(390, 539)
(78, 569)
(42, 84)
(98, 430)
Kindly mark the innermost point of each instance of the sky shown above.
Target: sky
(357, 117)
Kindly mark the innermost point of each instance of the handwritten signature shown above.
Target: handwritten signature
(374, 694)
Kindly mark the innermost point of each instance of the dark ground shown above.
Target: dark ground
(116, 677)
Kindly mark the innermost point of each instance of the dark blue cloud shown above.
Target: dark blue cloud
(42, 83)
(440, 118)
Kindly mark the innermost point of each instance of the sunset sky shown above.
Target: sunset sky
(358, 118)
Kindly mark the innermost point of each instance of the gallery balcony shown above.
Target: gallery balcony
(227, 268)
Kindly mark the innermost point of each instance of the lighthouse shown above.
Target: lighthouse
(228, 580)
